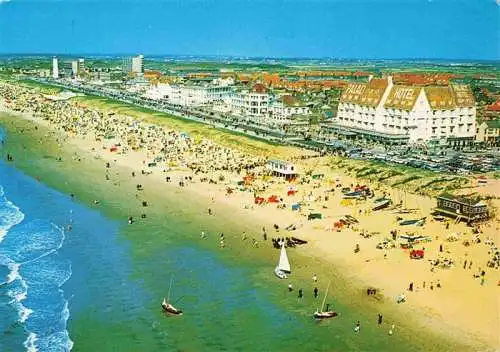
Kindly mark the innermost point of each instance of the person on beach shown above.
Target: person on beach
(209, 211)
(290, 288)
(411, 287)
(315, 278)
(391, 330)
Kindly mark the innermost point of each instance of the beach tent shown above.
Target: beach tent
(346, 202)
(313, 216)
(248, 180)
(417, 254)
(291, 192)
(259, 200)
(296, 206)
(273, 199)
(318, 176)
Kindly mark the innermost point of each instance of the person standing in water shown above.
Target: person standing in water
(300, 294)
(357, 327)
(380, 318)
(315, 292)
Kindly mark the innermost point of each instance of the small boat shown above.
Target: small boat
(381, 204)
(280, 274)
(283, 265)
(352, 195)
(351, 219)
(321, 314)
(324, 315)
(439, 217)
(298, 240)
(168, 307)
(418, 222)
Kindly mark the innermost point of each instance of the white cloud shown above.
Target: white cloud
(2, 1)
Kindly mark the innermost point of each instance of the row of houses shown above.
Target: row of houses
(380, 109)
(256, 105)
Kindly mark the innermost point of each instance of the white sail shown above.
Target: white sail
(284, 264)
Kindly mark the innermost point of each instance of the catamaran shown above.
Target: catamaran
(321, 314)
(168, 307)
(283, 265)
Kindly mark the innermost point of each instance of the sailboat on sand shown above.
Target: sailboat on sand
(167, 306)
(322, 314)
(283, 265)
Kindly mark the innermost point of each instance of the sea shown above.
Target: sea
(71, 280)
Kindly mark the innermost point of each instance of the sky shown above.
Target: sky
(364, 29)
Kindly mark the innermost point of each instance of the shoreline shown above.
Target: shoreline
(321, 244)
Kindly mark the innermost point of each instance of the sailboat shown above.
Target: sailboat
(283, 265)
(168, 307)
(321, 314)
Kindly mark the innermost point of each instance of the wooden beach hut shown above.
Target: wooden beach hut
(461, 208)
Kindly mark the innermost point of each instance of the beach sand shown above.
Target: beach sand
(461, 308)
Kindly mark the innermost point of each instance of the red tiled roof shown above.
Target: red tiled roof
(494, 107)
(259, 88)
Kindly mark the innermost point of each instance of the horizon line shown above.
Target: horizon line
(245, 57)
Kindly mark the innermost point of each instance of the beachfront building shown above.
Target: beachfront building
(138, 64)
(393, 113)
(77, 67)
(252, 105)
(55, 68)
(282, 168)
(283, 110)
(488, 133)
(189, 95)
(101, 74)
(198, 95)
(133, 65)
(462, 208)
(159, 91)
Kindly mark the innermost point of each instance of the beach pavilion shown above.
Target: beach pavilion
(282, 168)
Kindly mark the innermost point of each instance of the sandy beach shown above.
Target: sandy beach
(449, 291)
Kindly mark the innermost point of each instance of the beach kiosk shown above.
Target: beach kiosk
(282, 168)
(462, 208)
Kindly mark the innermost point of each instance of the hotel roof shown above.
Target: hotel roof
(402, 97)
(368, 94)
(450, 97)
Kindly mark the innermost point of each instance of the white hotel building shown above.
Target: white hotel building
(189, 95)
(384, 111)
(252, 105)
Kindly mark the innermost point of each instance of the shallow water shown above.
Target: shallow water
(89, 289)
